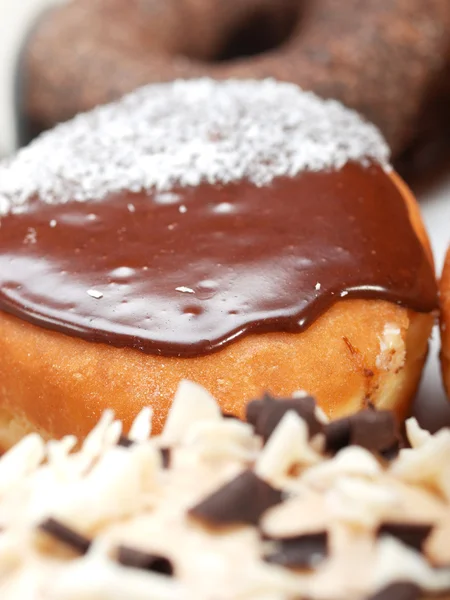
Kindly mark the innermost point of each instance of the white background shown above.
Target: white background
(15, 18)
(435, 204)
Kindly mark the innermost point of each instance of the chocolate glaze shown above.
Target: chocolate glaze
(186, 273)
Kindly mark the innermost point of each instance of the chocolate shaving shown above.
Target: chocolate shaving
(242, 500)
(401, 590)
(166, 455)
(304, 551)
(138, 559)
(391, 453)
(254, 409)
(410, 534)
(337, 435)
(66, 535)
(375, 430)
(125, 442)
(265, 414)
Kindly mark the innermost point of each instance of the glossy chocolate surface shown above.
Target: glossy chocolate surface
(187, 272)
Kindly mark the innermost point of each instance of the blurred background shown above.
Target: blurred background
(17, 18)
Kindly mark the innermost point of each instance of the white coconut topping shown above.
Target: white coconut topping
(94, 294)
(125, 496)
(187, 132)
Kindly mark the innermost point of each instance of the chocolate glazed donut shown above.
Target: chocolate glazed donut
(385, 58)
(245, 235)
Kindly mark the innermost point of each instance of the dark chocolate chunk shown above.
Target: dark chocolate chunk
(375, 430)
(138, 559)
(391, 453)
(265, 414)
(401, 590)
(337, 435)
(125, 441)
(66, 535)
(166, 456)
(254, 408)
(304, 551)
(410, 534)
(242, 500)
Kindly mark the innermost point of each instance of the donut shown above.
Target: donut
(444, 294)
(388, 59)
(314, 510)
(245, 235)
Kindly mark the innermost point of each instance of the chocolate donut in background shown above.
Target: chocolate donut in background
(388, 59)
(242, 234)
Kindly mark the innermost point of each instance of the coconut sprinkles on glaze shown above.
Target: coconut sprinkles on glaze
(187, 133)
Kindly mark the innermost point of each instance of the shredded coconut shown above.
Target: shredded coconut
(94, 294)
(191, 404)
(141, 427)
(186, 132)
(392, 354)
(114, 496)
(287, 446)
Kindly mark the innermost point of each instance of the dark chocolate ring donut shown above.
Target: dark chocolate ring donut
(387, 59)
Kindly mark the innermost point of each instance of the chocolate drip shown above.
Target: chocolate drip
(186, 273)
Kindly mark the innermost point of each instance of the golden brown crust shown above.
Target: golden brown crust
(414, 215)
(444, 289)
(359, 350)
